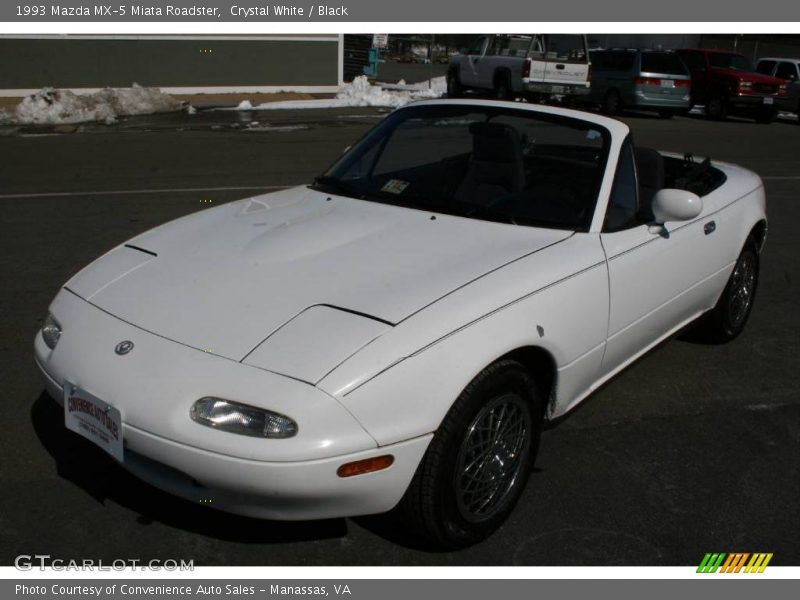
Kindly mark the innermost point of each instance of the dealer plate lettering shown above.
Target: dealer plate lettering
(94, 419)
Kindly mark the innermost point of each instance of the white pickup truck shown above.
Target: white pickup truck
(534, 66)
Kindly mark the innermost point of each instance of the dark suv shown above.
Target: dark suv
(727, 83)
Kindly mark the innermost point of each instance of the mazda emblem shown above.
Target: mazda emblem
(124, 347)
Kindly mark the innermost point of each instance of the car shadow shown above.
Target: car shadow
(83, 464)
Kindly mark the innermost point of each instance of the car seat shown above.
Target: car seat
(495, 168)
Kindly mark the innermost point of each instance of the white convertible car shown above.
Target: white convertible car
(398, 331)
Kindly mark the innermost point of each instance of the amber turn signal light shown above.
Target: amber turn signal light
(368, 465)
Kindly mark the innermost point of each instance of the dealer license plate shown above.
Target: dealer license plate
(768, 100)
(97, 421)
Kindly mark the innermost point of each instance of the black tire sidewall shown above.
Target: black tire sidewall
(612, 103)
(453, 85)
(719, 113)
(502, 378)
(727, 330)
(503, 88)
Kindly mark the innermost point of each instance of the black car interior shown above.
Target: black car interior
(495, 170)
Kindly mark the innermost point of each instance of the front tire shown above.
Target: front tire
(476, 466)
(728, 318)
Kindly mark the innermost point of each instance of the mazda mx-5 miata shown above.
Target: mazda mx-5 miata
(397, 332)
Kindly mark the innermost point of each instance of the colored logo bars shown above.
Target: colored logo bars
(735, 562)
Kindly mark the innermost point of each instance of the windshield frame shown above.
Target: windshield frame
(326, 182)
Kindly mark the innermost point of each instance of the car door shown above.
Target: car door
(653, 274)
(469, 67)
(485, 67)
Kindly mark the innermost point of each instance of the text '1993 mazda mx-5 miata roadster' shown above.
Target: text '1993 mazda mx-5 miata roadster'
(397, 332)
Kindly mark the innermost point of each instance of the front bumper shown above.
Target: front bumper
(754, 102)
(154, 386)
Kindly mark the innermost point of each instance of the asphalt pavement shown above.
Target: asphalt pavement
(693, 449)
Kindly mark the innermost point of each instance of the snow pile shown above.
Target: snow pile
(433, 88)
(362, 93)
(51, 106)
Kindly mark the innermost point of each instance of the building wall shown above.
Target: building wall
(755, 46)
(178, 63)
(658, 41)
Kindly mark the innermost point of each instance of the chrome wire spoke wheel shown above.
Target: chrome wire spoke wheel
(490, 457)
(743, 284)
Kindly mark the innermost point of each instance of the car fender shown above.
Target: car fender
(402, 385)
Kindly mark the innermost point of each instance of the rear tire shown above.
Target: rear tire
(476, 466)
(502, 88)
(716, 108)
(612, 103)
(454, 89)
(728, 318)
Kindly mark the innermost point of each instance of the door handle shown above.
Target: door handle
(709, 227)
(560, 67)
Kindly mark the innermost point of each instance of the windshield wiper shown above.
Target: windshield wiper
(337, 186)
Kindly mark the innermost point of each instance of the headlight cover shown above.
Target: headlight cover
(242, 419)
(51, 331)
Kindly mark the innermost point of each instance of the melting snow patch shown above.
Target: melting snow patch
(51, 106)
(255, 126)
(361, 93)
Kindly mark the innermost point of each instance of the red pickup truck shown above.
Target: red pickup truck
(727, 83)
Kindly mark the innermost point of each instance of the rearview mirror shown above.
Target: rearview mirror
(675, 205)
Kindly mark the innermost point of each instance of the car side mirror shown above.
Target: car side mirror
(675, 205)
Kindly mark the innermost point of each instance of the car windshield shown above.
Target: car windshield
(730, 61)
(483, 162)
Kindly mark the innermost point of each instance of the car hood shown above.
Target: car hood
(224, 279)
(751, 76)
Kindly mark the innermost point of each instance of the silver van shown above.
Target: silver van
(653, 80)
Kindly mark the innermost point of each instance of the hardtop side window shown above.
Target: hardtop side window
(478, 46)
(765, 67)
(623, 205)
(694, 60)
(516, 45)
(497, 46)
(612, 60)
(537, 47)
(786, 70)
(565, 48)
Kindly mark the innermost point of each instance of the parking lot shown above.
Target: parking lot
(694, 449)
